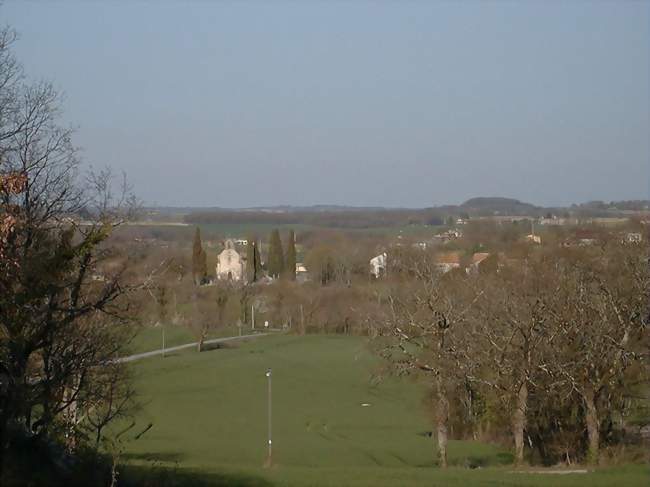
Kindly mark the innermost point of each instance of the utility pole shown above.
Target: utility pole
(269, 458)
(252, 316)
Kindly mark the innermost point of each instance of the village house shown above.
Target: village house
(477, 259)
(302, 275)
(446, 261)
(557, 221)
(532, 238)
(448, 235)
(582, 238)
(378, 265)
(633, 237)
(586, 237)
(230, 265)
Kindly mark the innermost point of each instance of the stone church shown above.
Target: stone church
(230, 265)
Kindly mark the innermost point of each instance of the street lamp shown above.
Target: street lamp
(270, 441)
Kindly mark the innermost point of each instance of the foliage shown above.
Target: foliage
(253, 260)
(199, 263)
(290, 262)
(275, 261)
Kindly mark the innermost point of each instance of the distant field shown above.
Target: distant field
(209, 421)
(244, 230)
(263, 230)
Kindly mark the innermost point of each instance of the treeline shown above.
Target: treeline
(629, 205)
(553, 348)
(387, 217)
(487, 206)
(331, 219)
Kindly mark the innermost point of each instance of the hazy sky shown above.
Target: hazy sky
(350, 102)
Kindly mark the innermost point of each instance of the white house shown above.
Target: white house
(378, 265)
(302, 274)
(634, 237)
(448, 235)
(230, 265)
(534, 238)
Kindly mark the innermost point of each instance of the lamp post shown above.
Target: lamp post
(269, 458)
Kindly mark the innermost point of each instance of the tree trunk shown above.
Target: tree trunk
(519, 422)
(442, 417)
(202, 338)
(3, 443)
(593, 426)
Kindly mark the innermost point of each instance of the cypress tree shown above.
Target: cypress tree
(250, 261)
(258, 259)
(199, 259)
(290, 263)
(276, 258)
(253, 264)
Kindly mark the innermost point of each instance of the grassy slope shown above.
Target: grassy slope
(209, 415)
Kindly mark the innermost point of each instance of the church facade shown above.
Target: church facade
(230, 265)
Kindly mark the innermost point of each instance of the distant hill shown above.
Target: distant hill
(499, 206)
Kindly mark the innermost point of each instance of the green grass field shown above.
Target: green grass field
(209, 415)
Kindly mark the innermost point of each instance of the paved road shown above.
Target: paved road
(139, 356)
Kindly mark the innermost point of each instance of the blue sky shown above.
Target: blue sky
(349, 102)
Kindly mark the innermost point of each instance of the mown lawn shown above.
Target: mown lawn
(209, 416)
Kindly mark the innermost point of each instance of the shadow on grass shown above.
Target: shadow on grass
(219, 346)
(141, 476)
(482, 461)
(154, 457)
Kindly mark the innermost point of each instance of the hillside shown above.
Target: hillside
(499, 206)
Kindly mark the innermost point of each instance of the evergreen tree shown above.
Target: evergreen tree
(258, 258)
(199, 259)
(290, 263)
(276, 257)
(253, 264)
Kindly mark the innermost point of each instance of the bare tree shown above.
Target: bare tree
(424, 322)
(510, 333)
(602, 318)
(51, 337)
(209, 310)
(113, 397)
